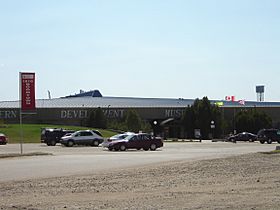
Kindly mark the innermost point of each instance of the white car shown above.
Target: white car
(83, 137)
(116, 137)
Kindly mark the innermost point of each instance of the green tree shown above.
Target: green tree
(133, 121)
(146, 126)
(251, 120)
(218, 121)
(199, 116)
(188, 121)
(100, 119)
(203, 116)
(118, 125)
(97, 119)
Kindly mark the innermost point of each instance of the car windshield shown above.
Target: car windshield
(75, 133)
(118, 136)
(97, 132)
(129, 137)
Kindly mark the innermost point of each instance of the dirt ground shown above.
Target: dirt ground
(242, 182)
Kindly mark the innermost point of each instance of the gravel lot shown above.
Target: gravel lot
(242, 182)
(246, 181)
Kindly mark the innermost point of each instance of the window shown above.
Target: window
(134, 138)
(146, 137)
(86, 133)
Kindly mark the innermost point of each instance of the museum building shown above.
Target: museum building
(75, 109)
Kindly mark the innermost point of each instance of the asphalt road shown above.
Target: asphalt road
(88, 160)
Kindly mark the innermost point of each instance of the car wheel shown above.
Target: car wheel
(110, 149)
(269, 141)
(70, 143)
(48, 143)
(146, 148)
(262, 141)
(138, 148)
(122, 147)
(153, 147)
(95, 143)
(53, 142)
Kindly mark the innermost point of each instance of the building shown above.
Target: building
(74, 110)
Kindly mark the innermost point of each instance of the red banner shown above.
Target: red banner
(27, 91)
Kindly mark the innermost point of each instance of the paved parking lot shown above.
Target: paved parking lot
(87, 160)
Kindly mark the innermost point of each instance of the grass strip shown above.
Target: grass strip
(271, 152)
(10, 155)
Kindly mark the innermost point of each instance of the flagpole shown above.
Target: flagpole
(21, 132)
(20, 114)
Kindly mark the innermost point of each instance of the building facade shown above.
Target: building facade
(75, 110)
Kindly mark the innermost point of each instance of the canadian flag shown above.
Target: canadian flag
(230, 98)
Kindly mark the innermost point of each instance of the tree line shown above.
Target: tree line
(202, 115)
(131, 121)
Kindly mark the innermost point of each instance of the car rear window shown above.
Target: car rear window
(97, 132)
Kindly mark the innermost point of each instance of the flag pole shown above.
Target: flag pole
(20, 113)
(21, 132)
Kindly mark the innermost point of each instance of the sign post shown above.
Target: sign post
(27, 98)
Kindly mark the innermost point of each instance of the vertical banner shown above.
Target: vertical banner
(27, 81)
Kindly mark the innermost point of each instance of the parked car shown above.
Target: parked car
(3, 139)
(137, 141)
(83, 137)
(52, 136)
(268, 135)
(244, 136)
(115, 138)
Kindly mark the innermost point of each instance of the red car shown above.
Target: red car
(3, 139)
(137, 141)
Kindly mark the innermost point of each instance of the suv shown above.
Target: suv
(269, 135)
(83, 137)
(51, 136)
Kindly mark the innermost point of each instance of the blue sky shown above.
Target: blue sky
(144, 48)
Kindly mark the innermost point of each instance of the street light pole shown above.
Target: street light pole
(212, 126)
(154, 126)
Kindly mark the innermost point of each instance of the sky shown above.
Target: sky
(142, 48)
